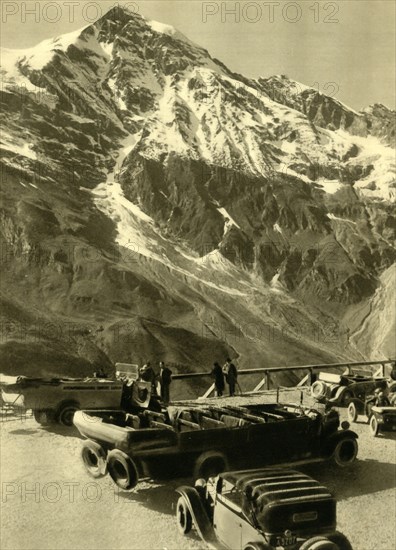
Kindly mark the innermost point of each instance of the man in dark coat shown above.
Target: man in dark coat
(231, 375)
(218, 376)
(165, 379)
(147, 374)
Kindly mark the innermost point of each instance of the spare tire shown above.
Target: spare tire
(319, 389)
(122, 470)
(94, 458)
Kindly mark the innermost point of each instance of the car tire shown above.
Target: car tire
(122, 470)
(352, 412)
(318, 389)
(94, 458)
(257, 546)
(45, 417)
(183, 516)
(374, 426)
(210, 464)
(65, 413)
(319, 543)
(341, 541)
(346, 398)
(345, 452)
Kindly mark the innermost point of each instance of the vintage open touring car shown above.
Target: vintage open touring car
(264, 509)
(204, 440)
(381, 418)
(57, 399)
(339, 389)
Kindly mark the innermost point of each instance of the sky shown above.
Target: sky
(344, 48)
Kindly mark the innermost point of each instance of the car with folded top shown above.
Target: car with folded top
(265, 509)
(339, 389)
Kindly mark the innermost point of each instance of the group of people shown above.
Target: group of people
(160, 384)
(162, 380)
(226, 374)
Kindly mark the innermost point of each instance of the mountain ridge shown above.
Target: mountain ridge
(189, 199)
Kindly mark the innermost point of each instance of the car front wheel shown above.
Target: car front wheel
(341, 541)
(183, 516)
(319, 543)
(374, 426)
(352, 412)
(94, 458)
(345, 452)
(257, 546)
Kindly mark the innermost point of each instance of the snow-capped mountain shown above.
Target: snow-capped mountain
(152, 191)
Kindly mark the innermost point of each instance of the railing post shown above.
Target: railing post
(260, 384)
(208, 392)
(267, 375)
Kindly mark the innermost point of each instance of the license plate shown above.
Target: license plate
(286, 541)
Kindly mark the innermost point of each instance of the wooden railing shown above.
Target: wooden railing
(267, 378)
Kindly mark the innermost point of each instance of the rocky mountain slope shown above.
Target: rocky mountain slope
(155, 204)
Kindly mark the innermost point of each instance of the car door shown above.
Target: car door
(227, 522)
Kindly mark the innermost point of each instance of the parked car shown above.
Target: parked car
(205, 440)
(339, 389)
(264, 509)
(379, 418)
(57, 399)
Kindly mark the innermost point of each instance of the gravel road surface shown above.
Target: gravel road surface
(49, 501)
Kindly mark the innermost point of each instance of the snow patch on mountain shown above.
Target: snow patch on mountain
(229, 221)
(329, 186)
(24, 149)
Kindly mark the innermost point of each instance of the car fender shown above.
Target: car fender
(339, 393)
(359, 404)
(198, 513)
(331, 441)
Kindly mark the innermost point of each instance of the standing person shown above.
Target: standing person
(231, 375)
(218, 376)
(165, 378)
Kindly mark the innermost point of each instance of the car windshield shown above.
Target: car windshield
(127, 370)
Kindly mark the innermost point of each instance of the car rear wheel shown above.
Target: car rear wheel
(374, 426)
(352, 412)
(319, 543)
(122, 470)
(346, 398)
(94, 458)
(183, 516)
(65, 413)
(45, 417)
(256, 546)
(345, 452)
(210, 464)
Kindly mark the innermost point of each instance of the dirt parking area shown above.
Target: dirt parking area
(49, 501)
